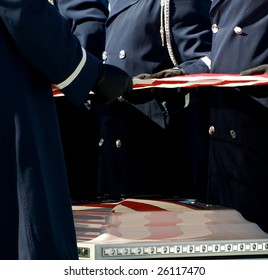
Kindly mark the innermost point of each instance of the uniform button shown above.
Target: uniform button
(211, 130)
(215, 28)
(238, 30)
(118, 143)
(122, 54)
(120, 98)
(101, 142)
(104, 55)
(233, 134)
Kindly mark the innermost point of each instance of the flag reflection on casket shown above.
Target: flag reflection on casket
(149, 229)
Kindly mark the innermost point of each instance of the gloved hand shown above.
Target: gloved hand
(158, 93)
(112, 83)
(162, 74)
(257, 91)
(261, 69)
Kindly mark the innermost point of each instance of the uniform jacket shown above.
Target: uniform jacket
(145, 18)
(137, 136)
(36, 218)
(87, 21)
(238, 125)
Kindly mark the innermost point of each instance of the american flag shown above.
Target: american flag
(198, 80)
(195, 80)
(143, 220)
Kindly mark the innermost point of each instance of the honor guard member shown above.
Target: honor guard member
(87, 21)
(37, 50)
(238, 125)
(152, 144)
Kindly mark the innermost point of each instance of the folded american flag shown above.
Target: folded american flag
(197, 80)
(194, 80)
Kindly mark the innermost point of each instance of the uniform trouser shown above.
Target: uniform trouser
(142, 155)
(238, 154)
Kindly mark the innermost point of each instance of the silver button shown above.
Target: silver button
(118, 143)
(215, 28)
(104, 55)
(211, 130)
(120, 98)
(101, 142)
(233, 134)
(122, 54)
(238, 30)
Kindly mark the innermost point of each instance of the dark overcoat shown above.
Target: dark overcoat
(238, 128)
(36, 217)
(152, 145)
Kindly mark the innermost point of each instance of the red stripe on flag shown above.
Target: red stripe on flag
(138, 206)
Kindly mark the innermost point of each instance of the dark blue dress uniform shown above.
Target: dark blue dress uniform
(238, 128)
(154, 146)
(79, 129)
(37, 49)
